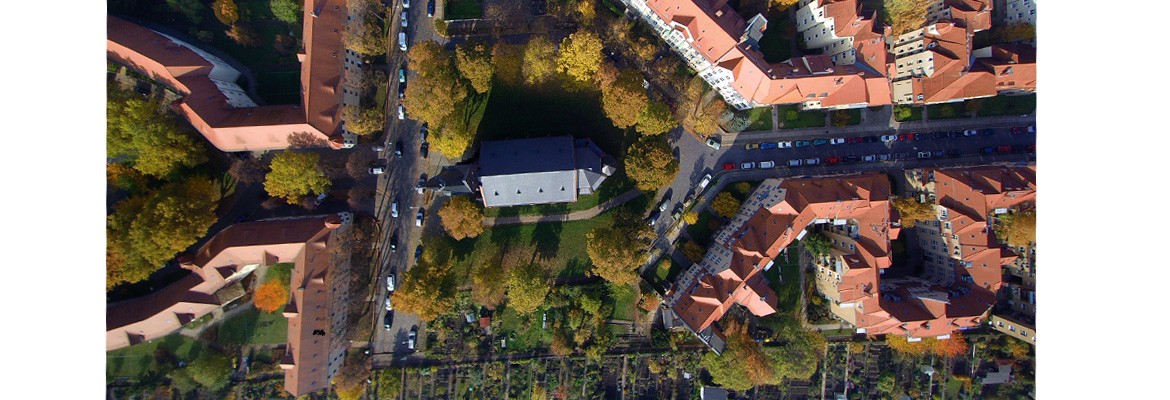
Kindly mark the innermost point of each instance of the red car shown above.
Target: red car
(905, 136)
(833, 160)
(853, 140)
(1003, 149)
(728, 166)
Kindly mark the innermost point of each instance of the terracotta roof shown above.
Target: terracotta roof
(228, 127)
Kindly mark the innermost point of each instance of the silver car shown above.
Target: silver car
(812, 161)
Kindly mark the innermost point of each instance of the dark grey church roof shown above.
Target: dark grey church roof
(540, 170)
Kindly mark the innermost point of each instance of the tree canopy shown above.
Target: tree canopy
(580, 55)
(211, 370)
(363, 121)
(656, 119)
(424, 290)
(270, 296)
(725, 205)
(614, 253)
(650, 163)
(151, 140)
(294, 175)
(487, 283)
(461, 217)
(697, 114)
(226, 11)
(539, 61)
(910, 211)
(145, 232)
(365, 36)
(905, 15)
(816, 243)
(624, 100)
(474, 61)
(954, 346)
(1017, 229)
(745, 363)
(192, 9)
(286, 10)
(527, 288)
(439, 89)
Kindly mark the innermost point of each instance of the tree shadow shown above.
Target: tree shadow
(547, 238)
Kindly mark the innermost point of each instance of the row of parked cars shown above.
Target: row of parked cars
(874, 139)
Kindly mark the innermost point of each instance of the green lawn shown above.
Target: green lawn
(523, 331)
(253, 326)
(668, 273)
(623, 298)
(854, 115)
(915, 113)
(462, 9)
(1007, 105)
(804, 119)
(787, 287)
(279, 272)
(612, 187)
(702, 230)
(947, 111)
(138, 361)
(761, 119)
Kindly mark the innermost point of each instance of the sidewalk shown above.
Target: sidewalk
(573, 216)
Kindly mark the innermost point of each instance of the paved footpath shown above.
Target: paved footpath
(573, 216)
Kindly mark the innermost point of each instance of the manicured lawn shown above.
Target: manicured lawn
(784, 278)
(623, 298)
(854, 115)
(804, 119)
(523, 331)
(947, 111)
(669, 272)
(279, 272)
(702, 230)
(137, 361)
(253, 326)
(1007, 105)
(915, 114)
(612, 187)
(761, 119)
(462, 9)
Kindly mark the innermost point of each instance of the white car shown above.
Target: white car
(390, 283)
(784, 145)
(410, 338)
(970, 132)
(405, 3)
(869, 158)
(402, 41)
(418, 218)
(706, 181)
(837, 141)
(747, 165)
(794, 163)
(924, 154)
(712, 143)
(394, 209)
(404, 19)
(665, 203)
(401, 112)
(767, 164)
(389, 307)
(889, 138)
(377, 170)
(812, 161)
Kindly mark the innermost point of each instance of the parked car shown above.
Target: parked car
(794, 162)
(410, 337)
(832, 160)
(818, 142)
(851, 159)
(837, 141)
(938, 135)
(401, 91)
(924, 154)
(405, 3)
(990, 150)
(767, 145)
(751, 146)
(666, 202)
(939, 153)
(889, 138)
(784, 145)
(812, 161)
(920, 136)
(747, 165)
(970, 132)
(422, 180)
(394, 209)
(883, 157)
(702, 184)
(388, 320)
(417, 253)
(767, 164)
(422, 132)
(986, 132)
(712, 143)
(954, 153)
(402, 75)
(677, 213)
(389, 306)
(424, 149)
(801, 143)
(377, 170)
(869, 158)
(418, 218)
(321, 198)
(390, 283)
(872, 139)
(431, 9)
(401, 112)
(955, 134)
(653, 218)
(728, 166)
(404, 19)
(905, 136)
(1003, 149)
(402, 41)
(398, 149)
(394, 242)
(899, 156)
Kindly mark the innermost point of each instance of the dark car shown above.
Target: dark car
(851, 159)
(431, 9)
(401, 90)
(768, 145)
(920, 136)
(1019, 148)
(818, 142)
(938, 135)
(417, 253)
(388, 320)
(1003, 149)
(989, 150)
(905, 136)
(986, 132)
(398, 149)
(653, 218)
(955, 134)
(422, 132)
(1018, 130)
(394, 242)
(872, 139)
(899, 156)
(954, 153)
(939, 153)
(801, 143)
(859, 139)
(424, 149)
(832, 160)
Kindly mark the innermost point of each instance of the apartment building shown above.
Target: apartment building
(1017, 11)
(314, 351)
(222, 111)
(724, 49)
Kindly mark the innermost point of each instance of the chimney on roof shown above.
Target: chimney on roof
(718, 13)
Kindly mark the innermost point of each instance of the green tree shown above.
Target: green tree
(474, 61)
(614, 255)
(363, 121)
(487, 283)
(817, 244)
(527, 288)
(698, 114)
(973, 106)
(152, 141)
(425, 291)
(145, 232)
(226, 11)
(192, 9)
(902, 113)
(286, 10)
(624, 100)
(438, 90)
(1011, 33)
(910, 211)
(946, 111)
(1017, 229)
(693, 251)
(539, 61)
(650, 163)
(365, 35)
(294, 175)
(453, 137)
(211, 370)
(840, 118)
(389, 383)
(461, 217)
(580, 55)
(508, 60)
(656, 119)
(725, 205)
(743, 363)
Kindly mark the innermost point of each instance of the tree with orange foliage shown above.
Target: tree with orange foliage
(953, 347)
(270, 296)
